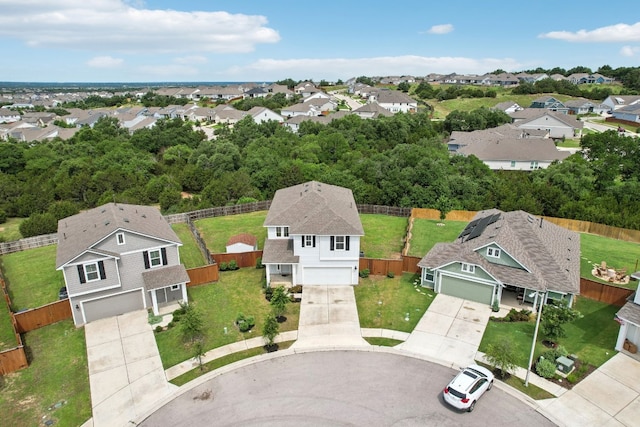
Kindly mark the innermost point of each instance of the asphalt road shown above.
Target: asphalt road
(337, 388)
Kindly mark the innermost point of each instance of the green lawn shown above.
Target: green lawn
(216, 231)
(190, 253)
(616, 253)
(10, 230)
(7, 337)
(31, 276)
(569, 143)
(425, 233)
(383, 235)
(237, 291)
(57, 373)
(592, 338)
(396, 304)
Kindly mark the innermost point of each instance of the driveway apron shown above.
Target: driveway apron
(125, 371)
(328, 318)
(450, 330)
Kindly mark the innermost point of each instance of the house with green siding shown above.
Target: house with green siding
(506, 252)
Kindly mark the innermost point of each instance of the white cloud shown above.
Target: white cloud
(630, 51)
(440, 29)
(194, 59)
(105, 62)
(340, 68)
(612, 33)
(116, 25)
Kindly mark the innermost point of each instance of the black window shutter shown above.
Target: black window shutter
(347, 242)
(303, 241)
(103, 275)
(332, 243)
(163, 251)
(81, 274)
(314, 241)
(145, 255)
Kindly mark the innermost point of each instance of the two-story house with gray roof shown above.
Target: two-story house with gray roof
(313, 236)
(118, 258)
(501, 252)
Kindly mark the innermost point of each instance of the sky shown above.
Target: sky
(269, 40)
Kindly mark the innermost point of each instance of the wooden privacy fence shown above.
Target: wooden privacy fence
(202, 275)
(15, 358)
(35, 318)
(243, 259)
(609, 294)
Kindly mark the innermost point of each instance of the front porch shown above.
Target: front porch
(285, 280)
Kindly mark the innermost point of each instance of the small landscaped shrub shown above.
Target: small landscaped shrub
(545, 368)
(245, 323)
(555, 353)
(233, 265)
(268, 293)
(297, 289)
(495, 307)
(518, 316)
(223, 266)
(259, 263)
(391, 274)
(364, 273)
(171, 324)
(158, 329)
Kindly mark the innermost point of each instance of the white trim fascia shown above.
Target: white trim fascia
(93, 291)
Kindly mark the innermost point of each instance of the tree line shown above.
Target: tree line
(396, 161)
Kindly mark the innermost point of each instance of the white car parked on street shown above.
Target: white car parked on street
(466, 388)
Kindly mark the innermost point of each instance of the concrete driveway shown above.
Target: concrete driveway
(610, 396)
(450, 330)
(328, 318)
(125, 371)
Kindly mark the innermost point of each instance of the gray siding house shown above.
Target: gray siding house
(500, 252)
(118, 258)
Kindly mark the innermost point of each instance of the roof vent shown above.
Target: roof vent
(103, 211)
(126, 219)
(143, 216)
(106, 223)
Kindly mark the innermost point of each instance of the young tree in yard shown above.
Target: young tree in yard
(444, 205)
(501, 356)
(270, 330)
(554, 318)
(279, 301)
(191, 324)
(199, 352)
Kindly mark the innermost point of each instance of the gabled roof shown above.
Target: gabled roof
(315, 208)
(549, 253)
(523, 149)
(530, 114)
(246, 238)
(79, 233)
(373, 108)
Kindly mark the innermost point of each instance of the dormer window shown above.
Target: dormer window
(493, 252)
(282, 231)
(468, 268)
(120, 238)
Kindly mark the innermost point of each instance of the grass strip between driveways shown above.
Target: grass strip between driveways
(392, 303)
(223, 361)
(220, 303)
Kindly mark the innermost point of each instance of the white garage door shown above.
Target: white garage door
(113, 305)
(327, 276)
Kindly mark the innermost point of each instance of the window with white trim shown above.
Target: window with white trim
(513, 163)
(428, 276)
(120, 238)
(155, 258)
(282, 231)
(468, 268)
(309, 241)
(91, 272)
(340, 243)
(534, 165)
(175, 287)
(493, 252)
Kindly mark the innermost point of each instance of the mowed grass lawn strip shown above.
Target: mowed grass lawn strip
(236, 292)
(592, 338)
(383, 235)
(7, 336)
(426, 232)
(10, 230)
(217, 231)
(617, 254)
(57, 372)
(31, 277)
(190, 253)
(385, 302)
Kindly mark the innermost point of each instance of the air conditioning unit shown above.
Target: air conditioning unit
(564, 364)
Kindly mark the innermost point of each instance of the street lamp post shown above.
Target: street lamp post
(535, 337)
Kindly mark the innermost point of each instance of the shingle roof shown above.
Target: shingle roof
(246, 238)
(279, 251)
(78, 233)
(162, 277)
(549, 253)
(315, 208)
(630, 311)
(524, 149)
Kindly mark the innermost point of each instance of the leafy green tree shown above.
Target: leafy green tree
(502, 356)
(404, 87)
(62, 209)
(191, 323)
(37, 224)
(554, 317)
(279, 300)
(270, 330)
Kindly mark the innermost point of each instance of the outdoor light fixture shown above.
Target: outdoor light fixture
(77, 307)
(535, 334)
